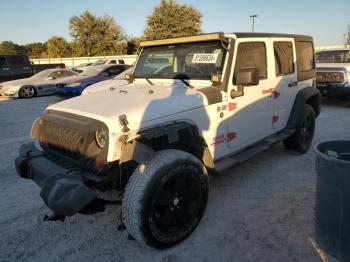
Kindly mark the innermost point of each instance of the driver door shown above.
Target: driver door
(250, 115)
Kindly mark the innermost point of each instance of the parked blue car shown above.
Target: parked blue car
(74, 86)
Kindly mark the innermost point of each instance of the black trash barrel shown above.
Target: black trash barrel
(332, 218)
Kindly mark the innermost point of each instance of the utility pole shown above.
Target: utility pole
(345, 40)
(253, 17)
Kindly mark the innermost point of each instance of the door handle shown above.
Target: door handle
(267, 91)
(291, 84)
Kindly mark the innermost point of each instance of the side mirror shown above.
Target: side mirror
(246, 76)
(129, 77)
(50, 78)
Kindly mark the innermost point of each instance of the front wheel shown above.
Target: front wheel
(304, 132)
(165, 198)
(27, 92)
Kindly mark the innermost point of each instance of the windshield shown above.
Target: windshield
(189, 61)
(92, 71)
(339, 56)
(99, 62)
(121, 76)
(42, 74)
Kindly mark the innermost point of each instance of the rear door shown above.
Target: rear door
(285, 81)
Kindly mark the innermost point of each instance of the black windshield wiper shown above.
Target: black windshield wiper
(149, 81)
(183, 78)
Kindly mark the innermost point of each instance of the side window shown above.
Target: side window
(113, 71)
(284, 60)
(69, 73)
(17, 60)
(252, 54)
(306, 59)
(2, 61)
(57, 74)
(121, 62)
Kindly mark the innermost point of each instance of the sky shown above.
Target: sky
(25, 21)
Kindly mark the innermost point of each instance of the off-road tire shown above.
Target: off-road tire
(151, 184)
(301, 140)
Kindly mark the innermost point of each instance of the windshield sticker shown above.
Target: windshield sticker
(204, 58)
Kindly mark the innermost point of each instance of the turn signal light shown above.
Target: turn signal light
(41, 140)
(98, 162)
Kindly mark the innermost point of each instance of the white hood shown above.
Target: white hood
(139, 102)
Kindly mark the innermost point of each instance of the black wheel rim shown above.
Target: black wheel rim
(306, 131)
(176, 204)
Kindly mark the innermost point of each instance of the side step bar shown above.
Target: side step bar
(242, 156)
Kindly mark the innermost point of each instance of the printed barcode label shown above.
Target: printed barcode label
(204, 58)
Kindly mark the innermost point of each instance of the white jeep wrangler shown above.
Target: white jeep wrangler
(193, 105)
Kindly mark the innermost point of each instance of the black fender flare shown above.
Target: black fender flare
(298, 107)
(198, 146)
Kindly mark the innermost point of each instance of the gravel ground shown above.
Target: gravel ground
(262, 210)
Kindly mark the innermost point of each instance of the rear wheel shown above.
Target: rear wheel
(165, 199)
(27, 92)
(302, 138)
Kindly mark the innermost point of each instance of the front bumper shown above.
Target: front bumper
(66, 191)
(9, 94)
(334, 90)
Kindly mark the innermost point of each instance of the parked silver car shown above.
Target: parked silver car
(42, 83)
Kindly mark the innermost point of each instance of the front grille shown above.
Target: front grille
(62, 137)
(330, 77)
(72, 141)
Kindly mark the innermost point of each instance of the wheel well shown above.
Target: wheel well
(181, 135)
(309, 95)
(189, 140)
(314, 101)
(35, 92)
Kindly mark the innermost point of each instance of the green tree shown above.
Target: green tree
(58, 47)
(93, 35)
(10, 48)
(36, 50)
(171, 19)
(133, 45)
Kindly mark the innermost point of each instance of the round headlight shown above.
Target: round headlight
(101, 137)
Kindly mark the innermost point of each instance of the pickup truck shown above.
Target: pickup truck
(19, 66)
(333, 73)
